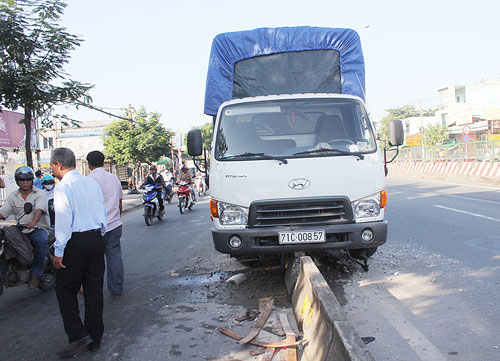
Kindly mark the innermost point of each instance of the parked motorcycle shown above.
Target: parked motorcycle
(15, 266)
(186, 200)
(151, 206)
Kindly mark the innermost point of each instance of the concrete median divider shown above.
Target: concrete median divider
(320, 316)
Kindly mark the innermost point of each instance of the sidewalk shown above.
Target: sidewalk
(131, 201)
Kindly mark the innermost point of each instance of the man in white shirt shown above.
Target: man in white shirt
(79, 251)
(113, 194)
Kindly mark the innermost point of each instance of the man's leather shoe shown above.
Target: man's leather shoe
(94, 346)
(34, 281)
(73, 347)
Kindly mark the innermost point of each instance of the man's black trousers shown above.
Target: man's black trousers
(160, 199)
(84, 261)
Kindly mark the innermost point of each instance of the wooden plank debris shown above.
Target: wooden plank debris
(260, 323)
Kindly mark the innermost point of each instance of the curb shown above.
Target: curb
(320, 316)
(131, 207)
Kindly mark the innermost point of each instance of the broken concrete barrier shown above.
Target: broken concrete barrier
(320, 316)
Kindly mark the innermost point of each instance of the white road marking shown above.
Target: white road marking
(424, 191)
(420, 344)
(468, 213)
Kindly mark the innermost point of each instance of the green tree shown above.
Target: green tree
(143, 140)
(434, 134)
(403, 112)
(34, 49)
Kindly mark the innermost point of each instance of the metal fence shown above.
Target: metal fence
(470, 151)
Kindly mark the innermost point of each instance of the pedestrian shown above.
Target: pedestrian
(112, 191)
(79, 251)
(38, 179)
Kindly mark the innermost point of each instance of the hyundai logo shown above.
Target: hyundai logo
(299, 184)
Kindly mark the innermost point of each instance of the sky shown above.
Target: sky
(154, 53)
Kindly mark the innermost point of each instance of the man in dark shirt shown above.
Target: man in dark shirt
(156, 179)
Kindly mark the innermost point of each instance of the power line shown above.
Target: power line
(99, 109)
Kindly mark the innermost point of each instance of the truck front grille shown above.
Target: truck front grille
(317, 211)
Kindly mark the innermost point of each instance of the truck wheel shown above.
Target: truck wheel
(356, 253)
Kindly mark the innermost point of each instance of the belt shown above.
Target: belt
(90, 231)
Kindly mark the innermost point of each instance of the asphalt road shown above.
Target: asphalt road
(175, 297)
(432, 292)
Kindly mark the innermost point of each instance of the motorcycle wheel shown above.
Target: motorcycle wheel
(182, 205)
(148, 217)
(47, 282)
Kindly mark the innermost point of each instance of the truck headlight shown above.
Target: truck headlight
(369, 207)
(230, 214)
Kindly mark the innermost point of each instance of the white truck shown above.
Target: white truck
(294, 162)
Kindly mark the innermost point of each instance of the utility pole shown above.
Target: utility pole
(422, 135)
(172, 151)
(130, 112)
(37, 141)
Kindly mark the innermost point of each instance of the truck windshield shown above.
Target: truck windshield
(294, 129)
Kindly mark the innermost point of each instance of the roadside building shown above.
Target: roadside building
(475, 107)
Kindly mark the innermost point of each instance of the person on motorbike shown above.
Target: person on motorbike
(186, 175)
(156, 179)
(48, 184)
(167, 177)
(36, 224)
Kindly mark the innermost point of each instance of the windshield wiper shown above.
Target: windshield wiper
(328, 150)
(259, 155)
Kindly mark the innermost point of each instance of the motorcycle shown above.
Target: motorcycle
(167, 193)
(151, 206)
(15, 271)
(186, 200)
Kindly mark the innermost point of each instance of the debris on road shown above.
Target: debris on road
(250, 315)
(280, 328)
(260, 323)
(368, 339)
(237, 279)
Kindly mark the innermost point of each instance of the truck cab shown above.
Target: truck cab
(295, 173)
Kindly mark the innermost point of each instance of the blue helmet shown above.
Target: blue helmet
(24, 173)
(47, 178)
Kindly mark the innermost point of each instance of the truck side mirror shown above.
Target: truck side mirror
(194, 143)
(395, 132)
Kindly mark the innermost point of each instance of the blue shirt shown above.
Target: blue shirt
(78, 206)
(37, 182)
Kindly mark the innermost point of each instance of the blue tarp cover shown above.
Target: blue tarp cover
(229, 48)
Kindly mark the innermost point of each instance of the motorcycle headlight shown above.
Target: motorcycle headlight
(368, 207)
(230, 214)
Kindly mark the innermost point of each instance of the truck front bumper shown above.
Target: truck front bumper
(265, 240)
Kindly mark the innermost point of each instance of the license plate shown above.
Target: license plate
(301, 237)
